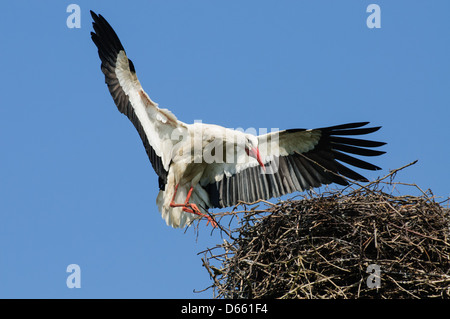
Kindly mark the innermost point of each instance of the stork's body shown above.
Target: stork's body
(202, 166)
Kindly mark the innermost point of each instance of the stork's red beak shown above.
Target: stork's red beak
(254, 152)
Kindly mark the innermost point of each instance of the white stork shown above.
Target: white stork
(202, 166)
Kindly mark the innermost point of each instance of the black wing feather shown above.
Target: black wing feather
(109, 47)
(297, 172)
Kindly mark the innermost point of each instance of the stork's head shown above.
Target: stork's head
(251, 148)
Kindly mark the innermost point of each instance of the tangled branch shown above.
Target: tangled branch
(320, 246)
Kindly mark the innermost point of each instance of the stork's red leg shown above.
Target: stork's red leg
(189, 196)
(173, 197)
(191, 207)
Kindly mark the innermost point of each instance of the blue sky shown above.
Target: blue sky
(76, 186)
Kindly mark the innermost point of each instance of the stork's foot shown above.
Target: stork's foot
(193, 209)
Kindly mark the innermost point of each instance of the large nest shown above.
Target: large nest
(361, 242)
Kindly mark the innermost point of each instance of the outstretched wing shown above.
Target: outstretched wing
(296, 160)
(153, 124)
